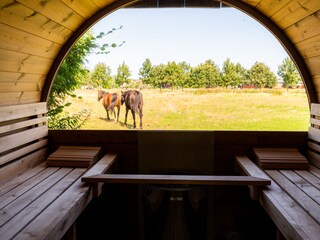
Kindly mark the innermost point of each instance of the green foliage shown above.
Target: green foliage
(123, 74)
(289, 73)
(233, 75)
(144, 71)
(205, 75)
(64, 121)
(101, 76)
(70, 76)
(261, 75)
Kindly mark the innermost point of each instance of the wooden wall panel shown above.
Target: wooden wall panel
(181, 151)
(21, 77)
(304, 29)
(313, 64)
(310, 47)
(22, 17)
(56, 11)
(13, 98)
(270, 7)
(102, 3)
(12, 61)
(16, 40)
(295, 12)
(18, 87)
(85, 8)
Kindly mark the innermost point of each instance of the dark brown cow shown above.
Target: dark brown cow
(133, 100)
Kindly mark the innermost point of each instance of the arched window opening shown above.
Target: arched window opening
(198, 69)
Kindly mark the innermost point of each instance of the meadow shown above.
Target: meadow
(206, 109)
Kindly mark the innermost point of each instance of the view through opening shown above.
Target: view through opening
(198, 69)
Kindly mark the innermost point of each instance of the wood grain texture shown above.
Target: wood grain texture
(291, 219)
(176, 179)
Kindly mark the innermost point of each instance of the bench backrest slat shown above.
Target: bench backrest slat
(314, 135)
(23, 137)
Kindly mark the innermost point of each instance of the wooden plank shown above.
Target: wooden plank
(314, 158)
(22, 77)
(293, 12)
(19, 125)
(313, 178)
(304, 29)
(314, 121)
(309, 47)
(314, 134)
(102, 3)
(70, 204)
(22, 151)
(176, 179)
(19, 87)
(13, 61)
(270, 7)
(20, 138)
(300, 190)
(19, 179)
(313, 64)
(30, 212)
(315, 109)
(10, 210)
(21, 41)
(30, 182)
(315, 171)
(84, 8)
(57, 11)
(31, 160)
(314, 146)
(290, 218)
(22, 17)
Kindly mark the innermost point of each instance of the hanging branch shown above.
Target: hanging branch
(104, 48)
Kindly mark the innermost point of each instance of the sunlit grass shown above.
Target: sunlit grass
(207, 109)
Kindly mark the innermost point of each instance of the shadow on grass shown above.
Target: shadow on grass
(129, 126)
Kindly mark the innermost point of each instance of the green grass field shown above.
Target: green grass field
(207, 109)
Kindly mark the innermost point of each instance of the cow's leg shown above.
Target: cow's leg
(140, 115)
(134, 118)
(108, 117)
(118, 114)
(115, 115)
(126, 116)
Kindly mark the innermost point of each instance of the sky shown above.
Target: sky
(193, 35)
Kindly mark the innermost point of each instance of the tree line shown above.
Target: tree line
(206, 75)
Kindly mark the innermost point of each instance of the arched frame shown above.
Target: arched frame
(247, 9)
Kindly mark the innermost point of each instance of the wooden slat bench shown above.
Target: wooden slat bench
(44, 202)
(292, 200)
(37, 201)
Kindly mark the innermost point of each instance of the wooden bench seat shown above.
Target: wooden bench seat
(292, 200)
(44, 202)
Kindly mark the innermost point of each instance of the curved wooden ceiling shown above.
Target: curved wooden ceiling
(35, 35)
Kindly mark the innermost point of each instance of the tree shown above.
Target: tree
(123, 74)
(206, 74)
(70, 76)
(289, 73)
(101, 76)
(157, 76)
(173, 74)
(144, 71)
(232, 74)
(260, 75)
(186, 69)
